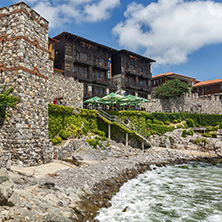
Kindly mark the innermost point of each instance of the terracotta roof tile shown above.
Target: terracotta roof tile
(208, 82)
(171, 73)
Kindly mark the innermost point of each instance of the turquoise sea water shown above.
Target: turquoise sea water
(190, 193)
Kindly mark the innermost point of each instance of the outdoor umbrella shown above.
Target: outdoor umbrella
(111, 98)
(92, 100)
(143, 100)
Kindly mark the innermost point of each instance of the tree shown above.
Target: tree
(172, 89)
(7, 101)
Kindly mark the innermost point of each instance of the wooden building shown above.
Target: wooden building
(209, 87)
(100, 68)
(164, 77)
(134, 72)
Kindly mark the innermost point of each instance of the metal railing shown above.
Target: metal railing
(129, 126)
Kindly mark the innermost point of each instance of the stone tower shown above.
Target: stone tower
(24, 63)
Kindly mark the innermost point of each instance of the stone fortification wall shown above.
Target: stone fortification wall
(70, 90)
(24, 64)
(190, 103)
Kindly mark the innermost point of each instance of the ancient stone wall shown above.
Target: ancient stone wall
(24, 64)
(190, 103)
(70, 90)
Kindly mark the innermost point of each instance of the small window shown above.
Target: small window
(220, 86)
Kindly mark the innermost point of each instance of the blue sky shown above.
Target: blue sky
(183, 36)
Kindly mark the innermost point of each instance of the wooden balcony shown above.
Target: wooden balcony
(83, 77)
(101, 66)
(146, 75)
(132, 72)
(101, 81)
(134, 85)
(78, 60)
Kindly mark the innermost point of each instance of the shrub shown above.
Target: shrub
(155, 121)
(207, 134)
(160, 129)
(187, 132)
(190, 123)
(167, 123)
(149, 121)
(175, 121)
(99, 132)
(179, 120)
(215, 128)
(198, 141)
(64, 134)
(75, 130)
(97, 142)
(180, 126)
(56, 140)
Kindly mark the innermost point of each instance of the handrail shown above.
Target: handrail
(120, 121)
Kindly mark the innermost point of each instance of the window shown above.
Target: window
(154, 82)
(83, 56)
(220, 86)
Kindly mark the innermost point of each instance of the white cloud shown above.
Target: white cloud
(59, 12)
(99, 11)
(170, 30)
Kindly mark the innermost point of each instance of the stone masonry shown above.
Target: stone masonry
(24, 64)
(66, 88)
(190, 103)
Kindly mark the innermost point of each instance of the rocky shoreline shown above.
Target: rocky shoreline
(77, 193)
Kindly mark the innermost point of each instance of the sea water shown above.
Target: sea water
(190, 193)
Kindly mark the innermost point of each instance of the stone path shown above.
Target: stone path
(44, 169)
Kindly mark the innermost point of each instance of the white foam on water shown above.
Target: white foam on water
(169, 194)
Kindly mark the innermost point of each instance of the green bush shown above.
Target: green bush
(187, 132)
(64, 134)
(175, 121)
(179, 120)
(190, 123)
(99, 132)
(167, 123)
(97, 142)
(180, 126)
(56, 140)
(207, 134)
(155, 121)
(215, 128)
(159, 129)
(198, 141)
(149, 121)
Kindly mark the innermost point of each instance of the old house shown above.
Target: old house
(132, 73)
(209, 87)
(102, 69)
(164, 77)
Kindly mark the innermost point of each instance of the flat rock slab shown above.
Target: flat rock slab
(44, 169)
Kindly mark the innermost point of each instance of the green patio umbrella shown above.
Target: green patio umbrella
(92, 100)
(111, 98)
(143, 100)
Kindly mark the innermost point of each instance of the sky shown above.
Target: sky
(183, 36)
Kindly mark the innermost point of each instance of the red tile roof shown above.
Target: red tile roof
(174, 74)
(208, 82)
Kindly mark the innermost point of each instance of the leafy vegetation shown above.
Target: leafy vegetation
(187, 132)
(199, 141)
(7, 101)
(171, 89)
